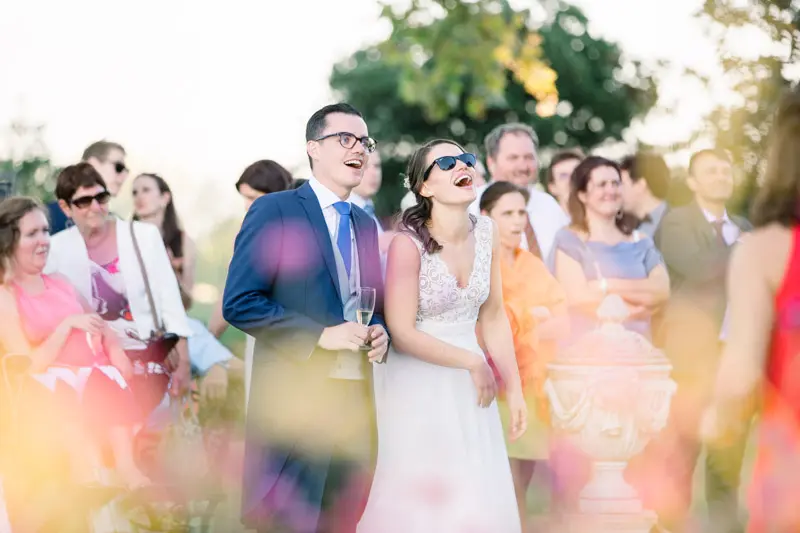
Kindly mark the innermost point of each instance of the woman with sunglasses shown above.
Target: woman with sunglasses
(442, 462)
(100, 257)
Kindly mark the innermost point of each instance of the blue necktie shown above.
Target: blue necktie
(343, 233)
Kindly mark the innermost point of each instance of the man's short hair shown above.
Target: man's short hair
(492, 140)
(560, 157)
(316, 124)
(73, 177)
(718, 153)
(652, 168)
(100, 149)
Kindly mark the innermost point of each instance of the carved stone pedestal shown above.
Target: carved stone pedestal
(641, 522)
(609, 394)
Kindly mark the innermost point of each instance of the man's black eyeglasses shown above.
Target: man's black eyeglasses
(85, 201)
(348, 140)
(448, 162)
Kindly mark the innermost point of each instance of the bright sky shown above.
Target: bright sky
(196, 91)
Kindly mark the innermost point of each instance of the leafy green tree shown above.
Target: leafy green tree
(461, 69)
(27, 170)
(774, 28)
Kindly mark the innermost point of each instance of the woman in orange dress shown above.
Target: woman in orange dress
(537, 311)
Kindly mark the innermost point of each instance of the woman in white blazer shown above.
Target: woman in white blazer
(98, 256)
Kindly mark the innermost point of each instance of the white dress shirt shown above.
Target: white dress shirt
(327, 198)
(730, 231)
(545, 214)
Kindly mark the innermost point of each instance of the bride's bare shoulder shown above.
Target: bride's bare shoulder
(404, 243)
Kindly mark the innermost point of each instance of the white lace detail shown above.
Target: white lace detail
(440, 297)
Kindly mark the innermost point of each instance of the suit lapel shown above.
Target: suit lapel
(704, 227)
(311, 205)
(360, 218)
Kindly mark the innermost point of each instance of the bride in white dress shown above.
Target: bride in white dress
(442, 463)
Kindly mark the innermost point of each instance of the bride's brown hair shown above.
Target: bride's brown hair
(416, 217)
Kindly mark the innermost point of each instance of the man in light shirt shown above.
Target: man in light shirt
(511, 156)
(363, 196)
(559, 176)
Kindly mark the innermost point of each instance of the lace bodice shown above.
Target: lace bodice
(440, 297)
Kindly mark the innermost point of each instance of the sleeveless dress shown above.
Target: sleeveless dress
(442, 464)
(82, 363)
(773, 495)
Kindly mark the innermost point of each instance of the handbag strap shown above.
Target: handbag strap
(158, 324)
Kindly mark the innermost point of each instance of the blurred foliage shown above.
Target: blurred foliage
(27, 168)
(760, 81)
(476, 45)
(457, 69)
(214, 253)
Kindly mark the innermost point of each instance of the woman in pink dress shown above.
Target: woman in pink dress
(72, 352)
(763, 343)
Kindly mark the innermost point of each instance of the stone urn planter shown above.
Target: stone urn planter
(609, 394)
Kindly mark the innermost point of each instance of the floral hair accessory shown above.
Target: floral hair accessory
(407, 183)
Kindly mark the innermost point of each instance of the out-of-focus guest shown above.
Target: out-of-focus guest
(153, 203)
(99, 257)
(259, 179)
(764, 338)
(696, 242)
(511, 156)
(645, 185)
(600, 253)
(299, 182)
(363, 196)
(480, 174)
(68, 344)
(559, 173)
(537, 312)
(108, 159)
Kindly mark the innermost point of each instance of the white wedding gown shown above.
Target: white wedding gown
(442, 462)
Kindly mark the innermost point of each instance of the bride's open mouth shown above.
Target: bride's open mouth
(463, 181)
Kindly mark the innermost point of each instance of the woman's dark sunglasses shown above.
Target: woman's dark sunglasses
(448, 162)
(85, 201)
(348, 140)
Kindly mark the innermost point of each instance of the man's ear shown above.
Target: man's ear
(312, 149)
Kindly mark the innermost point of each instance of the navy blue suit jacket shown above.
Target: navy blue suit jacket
(283, 289)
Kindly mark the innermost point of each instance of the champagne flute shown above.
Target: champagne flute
(366, 306)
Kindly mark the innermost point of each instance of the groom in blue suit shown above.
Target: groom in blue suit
(299, 262)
